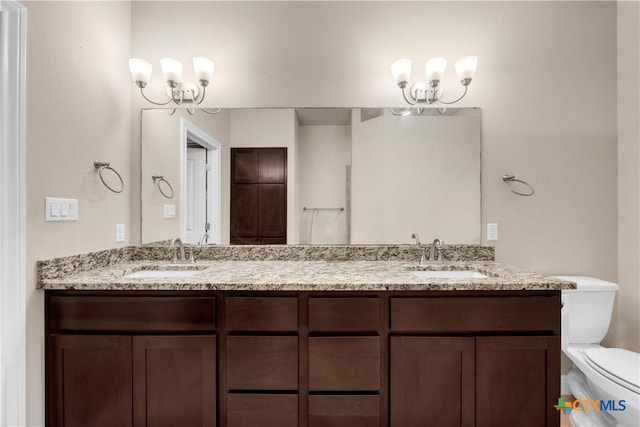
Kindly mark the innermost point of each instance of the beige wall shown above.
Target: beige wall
(416, 174)
(161, 148)
(629, 174)
(77, 112)
(324, 153)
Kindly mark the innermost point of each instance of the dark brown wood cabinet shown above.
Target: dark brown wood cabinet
(89, 381)
(258, 196)
(520, 373)
(302, 359)
(174, 381)
(432, 381)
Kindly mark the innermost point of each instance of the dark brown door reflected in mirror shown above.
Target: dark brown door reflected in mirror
(258, 196)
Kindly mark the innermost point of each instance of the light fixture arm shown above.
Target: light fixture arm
(410, 100)
(466, 88)
(153, 102)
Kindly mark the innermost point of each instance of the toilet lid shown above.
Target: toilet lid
(619, 365)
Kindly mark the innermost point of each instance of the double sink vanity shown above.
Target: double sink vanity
(308, 336)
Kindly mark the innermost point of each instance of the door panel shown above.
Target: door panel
(196, 208)
(89, 381)
(244, 165)
(517, 383)
(432, 382)
(244, 202)
(174, 381)
(272, 212)
(273, 165)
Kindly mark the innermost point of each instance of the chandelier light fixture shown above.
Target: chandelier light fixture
(178, 92)
(430, 92)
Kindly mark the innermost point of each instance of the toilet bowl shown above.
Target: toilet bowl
(610, 376)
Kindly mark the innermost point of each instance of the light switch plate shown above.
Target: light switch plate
(169, 211)
(492, 231)
(56, 209)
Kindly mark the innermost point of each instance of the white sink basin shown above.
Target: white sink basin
(449, 274)
(161, 273)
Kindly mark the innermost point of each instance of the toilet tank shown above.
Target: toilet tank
(586, 311)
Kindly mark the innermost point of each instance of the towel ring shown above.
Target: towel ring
(157, 179)
(508, 179)
(102, 166)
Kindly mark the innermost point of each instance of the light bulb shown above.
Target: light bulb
(401, 70)
(140, 71)
(172, 69)
(466, 68)
(204, 69)
(435, 69)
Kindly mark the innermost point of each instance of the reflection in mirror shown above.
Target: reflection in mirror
(352, 175)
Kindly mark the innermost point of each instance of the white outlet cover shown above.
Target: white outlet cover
(169, 211)
(120, 233)
(492, 231)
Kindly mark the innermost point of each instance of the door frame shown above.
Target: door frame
(13, 17)
(214, 178)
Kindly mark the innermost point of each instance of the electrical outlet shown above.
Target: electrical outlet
(120, 235)
(492, 231)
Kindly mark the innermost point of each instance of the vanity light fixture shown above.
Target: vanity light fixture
(178, 91)
(430, 92)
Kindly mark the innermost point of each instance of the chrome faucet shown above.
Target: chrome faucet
(423, 254)
(437, 244)
(179, 254)
(204, 239)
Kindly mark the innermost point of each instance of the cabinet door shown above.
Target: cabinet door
(89, 381)
(518, 381)
(432, 382)
(174, 381)
(272, 210)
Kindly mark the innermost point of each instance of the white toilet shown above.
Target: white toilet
(611, 375)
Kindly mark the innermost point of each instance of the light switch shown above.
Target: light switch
(56, 209)
(169, 211)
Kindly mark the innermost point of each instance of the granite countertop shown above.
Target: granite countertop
(305, 276)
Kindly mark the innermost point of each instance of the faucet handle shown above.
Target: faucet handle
(441, 246)
(190, 257)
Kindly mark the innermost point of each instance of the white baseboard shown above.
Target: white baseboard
(564, 385)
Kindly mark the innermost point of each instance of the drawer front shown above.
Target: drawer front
(476, 314)
(344, 363)
(262, 363)
(262, 314)
(131, 314)
(262, 410)
(344, 315)
(344, 411)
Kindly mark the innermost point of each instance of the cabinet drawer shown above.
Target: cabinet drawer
(344, 363)
(344, 411)
(263, 410)
(131, 314)
(262, 363)
(262, 314)
(344, 315)
(476, 314)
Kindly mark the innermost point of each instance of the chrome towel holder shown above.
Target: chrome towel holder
(508, 179)
(101, 167)
(157, 179)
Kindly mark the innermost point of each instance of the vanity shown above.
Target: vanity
(306, 336)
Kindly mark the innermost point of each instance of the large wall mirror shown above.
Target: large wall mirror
(311, 175)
